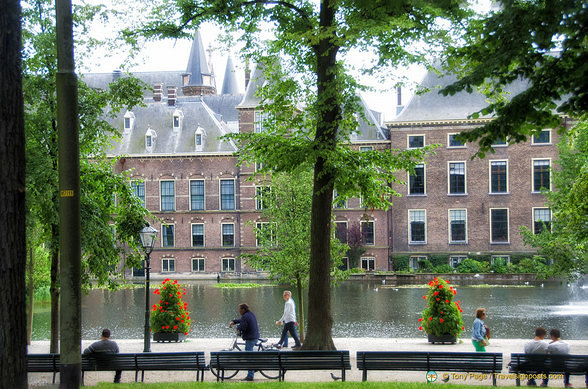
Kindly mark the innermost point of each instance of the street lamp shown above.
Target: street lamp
(148, 236)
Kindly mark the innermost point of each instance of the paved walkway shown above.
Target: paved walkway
(504, 346)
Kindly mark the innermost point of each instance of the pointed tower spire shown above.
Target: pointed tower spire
(230, 86)
(198, 78)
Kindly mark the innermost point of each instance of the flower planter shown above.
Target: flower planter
(445, 338)
(168, 337)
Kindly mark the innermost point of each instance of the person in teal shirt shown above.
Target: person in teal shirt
(479, 330)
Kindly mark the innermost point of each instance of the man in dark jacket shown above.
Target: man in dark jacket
(106, 346)
(247, 324)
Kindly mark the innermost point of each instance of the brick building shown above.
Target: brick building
(189, 178)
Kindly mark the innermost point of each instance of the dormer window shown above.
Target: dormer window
(199, 139)
(178, 118)
(129, 121)
(186, 79)
(150, 137)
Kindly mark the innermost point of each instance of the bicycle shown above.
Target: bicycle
(236, 345)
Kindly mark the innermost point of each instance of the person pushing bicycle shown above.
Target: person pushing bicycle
(247, 324)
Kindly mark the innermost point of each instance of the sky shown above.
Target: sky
(172, 55)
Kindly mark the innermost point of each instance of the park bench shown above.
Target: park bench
(547, 364)
(474, 362)
(280, 361)
(137, 362)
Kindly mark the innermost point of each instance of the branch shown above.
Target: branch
(299, 11)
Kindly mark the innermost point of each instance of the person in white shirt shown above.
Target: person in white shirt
(289, 321)
(558, 346)
(536, 346)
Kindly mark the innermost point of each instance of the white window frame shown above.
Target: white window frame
(465, 179)
(179, 116)
(449, 212)
(449, 146)
(161, 197)
(220, 195)
(490, 162)
(366, 148)
(343, 204)
(259, 119)
(413, 261)
(260, 226)
(373, 223)
(165, 265)
(228, 265)
(535, 220)
(259, 194)
(130, 116)
(370, 261)
(135, 184)
(408, 136)
(164, 226)
(534, 142)
(203, 234)
(507, 225)
(533, 160)
(223, 235)
(424, 165)
(416, 242)
(458, 259)
(199, 260)
(203, 194)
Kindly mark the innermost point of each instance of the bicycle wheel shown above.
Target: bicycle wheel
(228, 373)
(272, 375)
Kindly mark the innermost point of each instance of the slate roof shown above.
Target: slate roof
(197, 65)
(230, 85)
(432, 106)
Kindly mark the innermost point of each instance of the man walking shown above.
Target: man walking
(289, 321)
(105, 346)
(247, 324)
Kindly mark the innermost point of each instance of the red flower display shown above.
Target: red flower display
(171, 314)
(441, 315)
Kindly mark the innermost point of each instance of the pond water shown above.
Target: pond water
(360, 309)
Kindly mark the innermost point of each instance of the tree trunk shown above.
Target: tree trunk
(13, 372)
(300, 309)
(320, 320)
(54, 290)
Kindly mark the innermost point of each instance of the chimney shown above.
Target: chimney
(171, 95)
(399, 106)
(116, 74)
(157, 92)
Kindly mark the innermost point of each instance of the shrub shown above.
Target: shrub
(472, 266)
(441, 314)
(445, 268)
(499, 266)
(170, 314)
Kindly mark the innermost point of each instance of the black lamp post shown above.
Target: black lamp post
(148, 236)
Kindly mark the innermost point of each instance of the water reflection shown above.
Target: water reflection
(359, 310)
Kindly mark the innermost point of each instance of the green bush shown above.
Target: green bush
(537, 264)
(425, 266)
(445, 268)
(499, 266)
(472, 266)
(441, 314)
(170, 314)
(400, 262)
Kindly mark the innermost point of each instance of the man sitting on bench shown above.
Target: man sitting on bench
(105, 345)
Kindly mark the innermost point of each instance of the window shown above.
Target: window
(198, 264)
(367, 232)
(415, 261)
(416, 141)
(344, 264)
(498, 176)
(457, 226)
(541, 220)
(505, 259)
(198, 235)
(177, 120)
(264, 232)
(453, 142)
(168, 198)
(150, 136)
(417, 226)
(168, 265)
(138, 188)
(499, 142)
(227, 194)
(228, 238)
(262, 198)
(499, 225)
(338, 201)
(199, 139)
(148, 141)
(416, 181)
(457, 181)
(365, 148)
(259, 119)
(228, 265)
(341, 231)
(197, 195)
(129, 121)
(541, 175)
(139, 272)
(368, 263)
(544, 137)
(167, 235)
(455, 260)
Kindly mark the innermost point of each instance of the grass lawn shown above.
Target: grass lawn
(286, 385)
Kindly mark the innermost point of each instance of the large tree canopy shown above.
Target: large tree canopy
(304, 46)
(542, 42)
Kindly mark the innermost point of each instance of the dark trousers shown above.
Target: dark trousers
(117, 375)
(289, 327)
